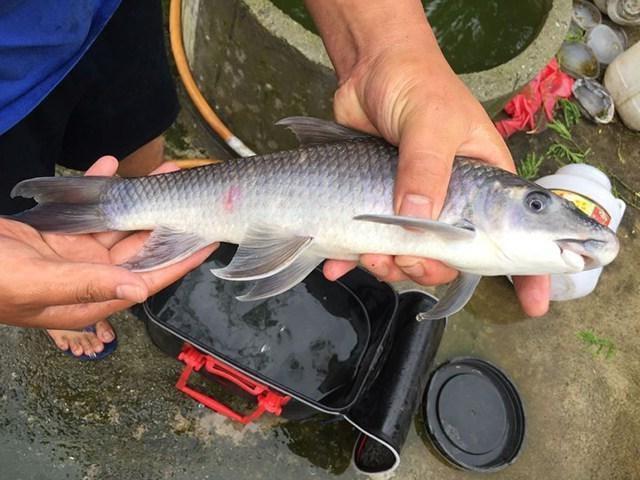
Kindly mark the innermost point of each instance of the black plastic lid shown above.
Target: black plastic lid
(474, 415)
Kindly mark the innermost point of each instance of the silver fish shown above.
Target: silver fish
(330, 198)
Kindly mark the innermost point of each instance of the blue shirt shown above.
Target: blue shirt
(40, 42)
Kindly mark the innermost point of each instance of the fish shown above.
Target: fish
(330, 198)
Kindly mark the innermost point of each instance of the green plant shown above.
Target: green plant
(567, 118)
(561, 129)
(570, 112)
(530, 165)
(602, 346)
(563, 152)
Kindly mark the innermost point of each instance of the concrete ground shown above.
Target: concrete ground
(122, 417)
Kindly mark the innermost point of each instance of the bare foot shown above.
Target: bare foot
(84, 343)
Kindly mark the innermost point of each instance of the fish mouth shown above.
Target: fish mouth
(582, 255)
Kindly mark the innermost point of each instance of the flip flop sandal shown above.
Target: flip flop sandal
(108, 349)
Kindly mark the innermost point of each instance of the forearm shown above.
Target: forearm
(354, 31)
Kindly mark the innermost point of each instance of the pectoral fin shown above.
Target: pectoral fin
(283, 280)
(165, 247)
(263, 252)
(454, 299)
(447, 231)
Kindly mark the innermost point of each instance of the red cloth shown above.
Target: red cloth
(543, 91)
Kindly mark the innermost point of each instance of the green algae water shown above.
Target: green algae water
(474, 35)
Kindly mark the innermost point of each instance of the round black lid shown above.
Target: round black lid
(474, 415)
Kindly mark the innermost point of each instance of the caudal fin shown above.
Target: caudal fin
(65, 204)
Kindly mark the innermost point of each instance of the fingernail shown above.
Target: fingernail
(416, 205)
(132, 293)
(417, 199)
(416, 270)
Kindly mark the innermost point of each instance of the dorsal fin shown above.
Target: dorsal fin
(310, 130)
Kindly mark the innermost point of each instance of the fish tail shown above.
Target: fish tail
(65, 204)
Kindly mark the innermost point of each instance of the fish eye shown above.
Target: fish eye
(537, 201)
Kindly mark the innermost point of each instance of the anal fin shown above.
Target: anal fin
(165, 246)
(283, 280)
(454, 299)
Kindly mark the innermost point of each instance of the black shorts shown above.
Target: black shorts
(119, 96)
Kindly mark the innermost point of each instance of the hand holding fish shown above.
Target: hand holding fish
(70, 281)
(395, 83)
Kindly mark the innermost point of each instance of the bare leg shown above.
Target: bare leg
(141, 162)
(144, 160)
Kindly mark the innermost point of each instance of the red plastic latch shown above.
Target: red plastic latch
(267, 400)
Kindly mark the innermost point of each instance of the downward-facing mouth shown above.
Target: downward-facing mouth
(581, 254)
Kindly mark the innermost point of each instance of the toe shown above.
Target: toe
(75, 346)
(96, 344)
(85, 343)
(59, 338)
(104, 331)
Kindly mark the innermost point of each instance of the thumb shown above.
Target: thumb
(424, 168)
(67, 283)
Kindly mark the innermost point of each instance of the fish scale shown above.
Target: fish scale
(264, 183)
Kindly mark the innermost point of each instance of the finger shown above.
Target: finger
(109, 239)
(130, 246)
(426, 271)
(334, 269)
(383, 267)
(74, 317)
(166, 167)
(127, 247)
(79, 248)
(533, 293)
(81, 315)
(426, 156)
(156, 280)
(104, 166)
(421, 270)
(67, 283)
(108, 165)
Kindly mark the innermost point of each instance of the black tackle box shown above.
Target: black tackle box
(351, 348)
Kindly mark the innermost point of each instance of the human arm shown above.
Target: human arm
(70, 281)
(394, 81)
